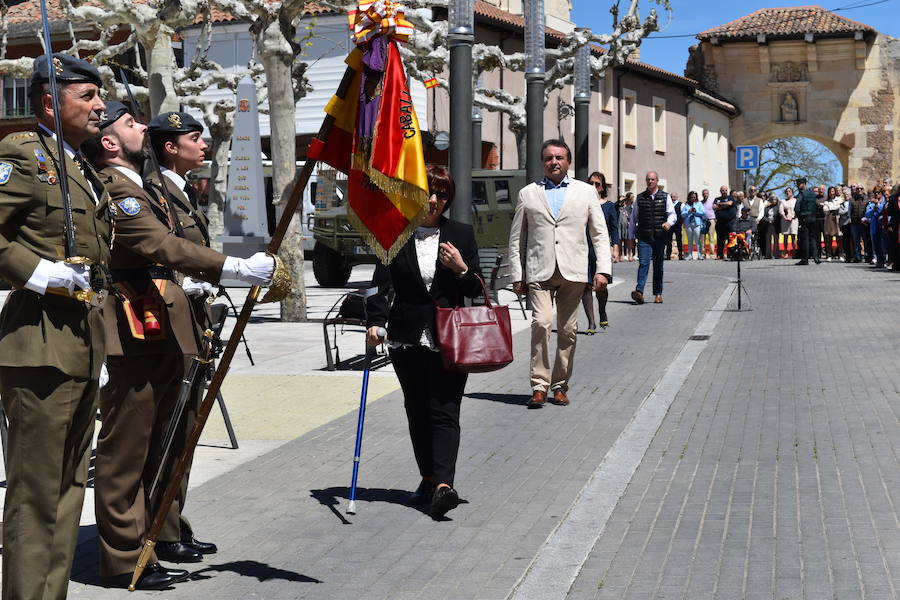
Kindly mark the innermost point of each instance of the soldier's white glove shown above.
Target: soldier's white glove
(104, 375)
(49, 274)
(256, 270)
(194, 287)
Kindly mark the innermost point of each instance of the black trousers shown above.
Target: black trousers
(675, 237)
(807, 240)
(432, 397)
(723, 228)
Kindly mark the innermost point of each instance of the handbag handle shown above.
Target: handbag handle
(487, 298)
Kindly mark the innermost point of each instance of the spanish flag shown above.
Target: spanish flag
(375, 139)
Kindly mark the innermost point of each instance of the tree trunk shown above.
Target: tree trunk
(277, 59)
(161, 68)
(215, 211)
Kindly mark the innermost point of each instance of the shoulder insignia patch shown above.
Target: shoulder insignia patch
(113, 211)
(130, 206)
(5, 172)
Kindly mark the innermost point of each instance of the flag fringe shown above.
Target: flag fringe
(388, 184)
(384, 255)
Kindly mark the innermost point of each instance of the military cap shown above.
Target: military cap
(173, 122)
(801, 180)
(114, 110)
(68, 69)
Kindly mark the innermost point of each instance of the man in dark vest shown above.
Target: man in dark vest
(805, 209)
(725, 208)
(651, 219)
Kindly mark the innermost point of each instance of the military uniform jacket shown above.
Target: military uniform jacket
(144, 240)
(194, 228)
(53, 331)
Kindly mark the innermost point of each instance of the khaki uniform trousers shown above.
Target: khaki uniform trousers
(567, 295)
(135, 407)
(51, 423)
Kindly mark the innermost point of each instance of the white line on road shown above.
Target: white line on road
(557, 563)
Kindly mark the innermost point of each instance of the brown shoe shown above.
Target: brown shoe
(537, 399)
(560, 398)
(637, 296)
(658, 299)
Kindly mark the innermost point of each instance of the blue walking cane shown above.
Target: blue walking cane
(367, 363)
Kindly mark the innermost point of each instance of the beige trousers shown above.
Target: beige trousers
(567, 296)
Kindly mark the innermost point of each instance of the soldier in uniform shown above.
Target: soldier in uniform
(150, 330)
(51, 342)
(177, 141)
(805, 210)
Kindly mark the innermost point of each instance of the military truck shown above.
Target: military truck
(338, 247)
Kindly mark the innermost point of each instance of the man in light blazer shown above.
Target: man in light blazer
(548, 256)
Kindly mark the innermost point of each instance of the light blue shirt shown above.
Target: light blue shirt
(556, 194)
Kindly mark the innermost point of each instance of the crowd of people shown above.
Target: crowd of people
(841, 223)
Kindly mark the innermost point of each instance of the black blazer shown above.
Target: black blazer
(413, 307)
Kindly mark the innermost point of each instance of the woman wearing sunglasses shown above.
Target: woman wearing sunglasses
(438, 266)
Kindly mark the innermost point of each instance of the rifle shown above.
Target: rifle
(96, 295)
(219, 376)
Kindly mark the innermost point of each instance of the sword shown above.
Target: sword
(96, 295)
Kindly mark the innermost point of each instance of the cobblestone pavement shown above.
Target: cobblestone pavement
(772, 471)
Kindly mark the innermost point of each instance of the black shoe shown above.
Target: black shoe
(177, 552)
(802, 262)
(423, 493)
(188, 539)
(818, 262)
(154, 577)
(444, 499)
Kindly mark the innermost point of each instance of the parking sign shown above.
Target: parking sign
(746, 157)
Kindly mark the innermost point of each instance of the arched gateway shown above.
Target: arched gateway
(807, 72)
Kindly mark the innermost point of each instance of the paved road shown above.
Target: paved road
(707, 453)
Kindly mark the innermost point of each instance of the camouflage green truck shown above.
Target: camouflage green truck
(338, 248)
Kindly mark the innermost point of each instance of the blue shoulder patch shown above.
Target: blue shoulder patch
(130, 206)
(5, 172)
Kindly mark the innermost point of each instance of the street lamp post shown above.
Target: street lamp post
(476, 138)
(582, 109)
(461, 36)
(535, 71)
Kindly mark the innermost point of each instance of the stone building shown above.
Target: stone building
(808, 72)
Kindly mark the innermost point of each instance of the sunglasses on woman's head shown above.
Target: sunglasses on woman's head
(441, 195)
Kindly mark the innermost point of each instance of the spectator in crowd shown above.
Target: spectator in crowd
(676, 230)
(651, 220)
(816, 233)
(611, 214)
(831, 230)
(725, 207)
(693, 216)
(755, 201)
(708, 243)
(892, 227)
(805, 209)
(767, 228)
(548, 254)
(789, 224)
(626, 248)
(746, 225)
(845, 225)
(859, 225)
(436, 267)
(874, 208)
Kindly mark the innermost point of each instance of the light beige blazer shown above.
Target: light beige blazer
(538, 243)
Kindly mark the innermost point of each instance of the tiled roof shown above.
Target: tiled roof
(220, 16)
(490, 13)
(660, 73)
(786, 22)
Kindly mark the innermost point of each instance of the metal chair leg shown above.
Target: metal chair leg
(4, 432)
(329, 360)
(228, 426)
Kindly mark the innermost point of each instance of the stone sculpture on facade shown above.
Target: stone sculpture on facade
(789, 72)
(789, 112)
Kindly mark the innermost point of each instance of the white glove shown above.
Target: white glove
(104, 375)
(195, 287)
(50, 274)
(256, 270)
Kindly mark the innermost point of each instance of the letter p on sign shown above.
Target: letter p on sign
(746, 157)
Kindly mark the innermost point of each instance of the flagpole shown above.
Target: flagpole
(230, 348)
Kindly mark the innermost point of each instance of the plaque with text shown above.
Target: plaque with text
(245, 204)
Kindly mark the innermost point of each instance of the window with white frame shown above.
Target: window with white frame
(629, 116)
(605, 139)
(628, 183)
(659, 125)
(661, 184)
(15, 98)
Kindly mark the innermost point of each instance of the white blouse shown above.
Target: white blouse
(427, 243)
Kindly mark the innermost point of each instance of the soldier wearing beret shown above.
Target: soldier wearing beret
(150, 330)
(805, 209)
(51, 340)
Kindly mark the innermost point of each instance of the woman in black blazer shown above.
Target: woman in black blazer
(437, 266)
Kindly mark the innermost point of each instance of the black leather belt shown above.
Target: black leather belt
(154, 272)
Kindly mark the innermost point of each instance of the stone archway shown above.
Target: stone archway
(807, 72)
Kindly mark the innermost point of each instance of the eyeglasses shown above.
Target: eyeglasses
(441, 195)
(597, 183)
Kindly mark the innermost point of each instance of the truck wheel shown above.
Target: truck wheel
(330, 268)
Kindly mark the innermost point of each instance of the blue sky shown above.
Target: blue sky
(692, 16)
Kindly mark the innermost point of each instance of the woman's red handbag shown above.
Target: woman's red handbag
(474, 339)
